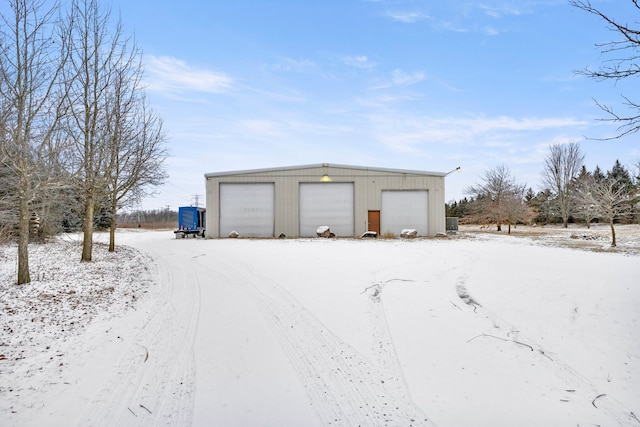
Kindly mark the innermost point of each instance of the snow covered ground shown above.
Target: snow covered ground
(481, 329)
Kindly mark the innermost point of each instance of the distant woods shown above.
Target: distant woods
(149, 219)
(78, 138)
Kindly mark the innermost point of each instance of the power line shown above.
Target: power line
(196, 199)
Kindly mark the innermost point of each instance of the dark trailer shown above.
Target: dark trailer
(191, 221)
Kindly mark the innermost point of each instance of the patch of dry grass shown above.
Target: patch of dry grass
(159, 225)
(597, 238)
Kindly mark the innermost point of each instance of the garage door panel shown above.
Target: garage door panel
(404, 209)
(247, 209)
(328, 204)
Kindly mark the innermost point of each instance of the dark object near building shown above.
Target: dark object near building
(324, 231)
(452, 224)
(409, 233)
(191, 221)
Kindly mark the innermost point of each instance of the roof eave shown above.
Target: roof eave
(321, 165)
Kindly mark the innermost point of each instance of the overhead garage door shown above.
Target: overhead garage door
(247, 209)
(329, 204)
(404, 209)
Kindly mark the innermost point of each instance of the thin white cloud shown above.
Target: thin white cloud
(400, 78)
(286, 127)
(175, 77)
(526, 124)
(501, 10)
(359, 61)
(408, 134)
(384, 99)
(454, 26)
(295, 65)
(294, 97)
(262, 126)
(407, 17)
(470, 27)
(487, 18)
(491, 31)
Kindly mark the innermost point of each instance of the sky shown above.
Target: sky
(401, 84)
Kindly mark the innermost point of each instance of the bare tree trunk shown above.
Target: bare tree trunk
(23, 242)
(112, 226)
(613, 233)
(87, 243)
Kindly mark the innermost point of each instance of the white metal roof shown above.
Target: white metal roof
(322, 165)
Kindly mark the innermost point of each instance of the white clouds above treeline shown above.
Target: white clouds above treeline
(174, 77)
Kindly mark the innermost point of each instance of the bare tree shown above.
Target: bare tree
(622, 62)
(137, 151)
(561, 166)
(636, 180)
(96, 49)
(583, 198)
(610, 200)
(498, 199)
(32, 54)
(515, 208)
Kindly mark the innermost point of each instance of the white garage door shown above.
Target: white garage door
(404, 209)
(328, 204)
(247, 209)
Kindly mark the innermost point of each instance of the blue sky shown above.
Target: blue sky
(425, 85)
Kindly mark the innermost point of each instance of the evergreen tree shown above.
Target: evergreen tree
(598, 175)
(529, 195)
(622, 177)
(543, 203)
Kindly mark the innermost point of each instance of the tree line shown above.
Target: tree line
(571, 193)
(78, 137)
(149, 218)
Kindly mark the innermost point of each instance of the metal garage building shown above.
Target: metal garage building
(351, 200)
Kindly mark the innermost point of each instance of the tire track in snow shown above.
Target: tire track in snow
(583, 389)
(382, 342)
(153, 382)
(344, 387)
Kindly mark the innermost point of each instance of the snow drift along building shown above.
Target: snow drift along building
(351, 200)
